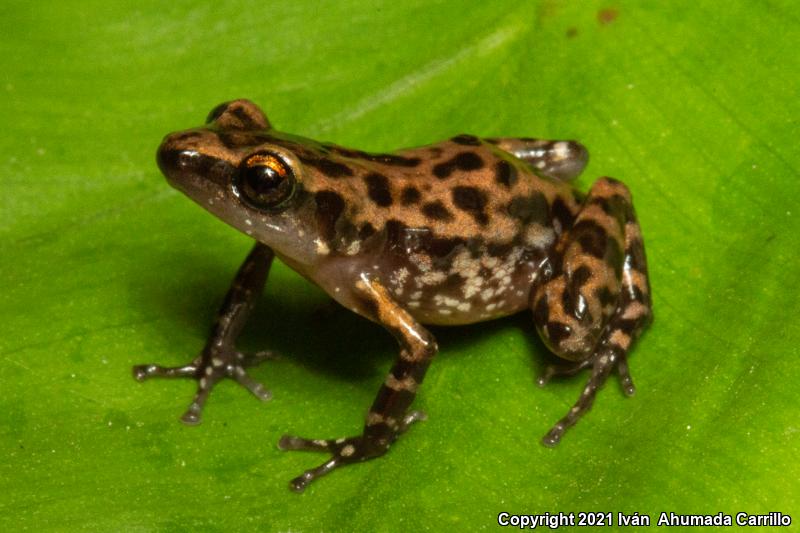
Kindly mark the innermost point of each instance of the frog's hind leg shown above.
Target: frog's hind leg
(219, 358)
(597, 303)
(389, 416)
(562, 160)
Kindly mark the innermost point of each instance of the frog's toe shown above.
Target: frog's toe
(602, 363)
(257, 389)
(344, 451)
(624, 373)
(208, 369)
(558, 370)
(143, 372)
(293, 443)
(213, 375)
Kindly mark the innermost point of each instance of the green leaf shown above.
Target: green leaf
(693, 104)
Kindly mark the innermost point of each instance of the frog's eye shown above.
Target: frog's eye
(265, 181)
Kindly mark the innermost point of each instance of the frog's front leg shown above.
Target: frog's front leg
(388, 417)
(597, 303)
(219, 358)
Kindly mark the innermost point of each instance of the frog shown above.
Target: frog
(459, 232)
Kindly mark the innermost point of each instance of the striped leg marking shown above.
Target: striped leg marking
(220, 359)
(388, 417)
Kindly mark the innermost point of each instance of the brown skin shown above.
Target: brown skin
(462, 231)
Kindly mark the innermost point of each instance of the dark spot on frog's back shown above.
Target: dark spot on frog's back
(467, 140)
(410, 195)
(329, 207)
(505, 173)
(366, 231)
(347, 152)
(378, 189)
(330, 168)
(442, 248)
(465, 161)
(529, 209)
(473, 201)
(436, 211)
(386, 159)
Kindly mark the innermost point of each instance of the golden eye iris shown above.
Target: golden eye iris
(267, 160)
(265, 181)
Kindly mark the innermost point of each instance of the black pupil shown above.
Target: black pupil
(264, 186)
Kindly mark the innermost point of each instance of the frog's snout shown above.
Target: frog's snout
(187, 167)
(176, 160)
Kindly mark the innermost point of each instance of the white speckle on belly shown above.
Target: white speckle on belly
(353, 248)
(399, 276)
(433, 277)
(472, 286)
(322, 247)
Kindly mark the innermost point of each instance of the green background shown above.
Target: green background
(693, 104)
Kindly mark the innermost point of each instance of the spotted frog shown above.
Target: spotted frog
(461, 231)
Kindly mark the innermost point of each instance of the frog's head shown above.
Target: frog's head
(235, 168)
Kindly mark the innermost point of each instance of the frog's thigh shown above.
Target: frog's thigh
(573, 307)
(417, 347)
(562, 160)
(597, 304)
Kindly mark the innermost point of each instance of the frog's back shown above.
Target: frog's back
(464, 187)
(453, 226)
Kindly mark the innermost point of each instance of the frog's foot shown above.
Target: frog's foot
(602, 364)
(208, 369)
(344, 451)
